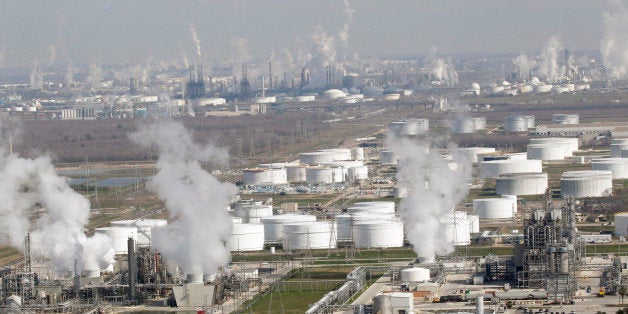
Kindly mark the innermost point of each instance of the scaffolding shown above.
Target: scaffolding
(195, 86)
(548, 256)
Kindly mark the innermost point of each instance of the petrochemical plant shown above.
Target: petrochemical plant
(320, 185)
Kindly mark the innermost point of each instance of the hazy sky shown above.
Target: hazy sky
(109, 31)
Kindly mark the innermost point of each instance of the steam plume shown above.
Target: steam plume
(52, 54)
(524, 63)
(239, 54)
(434, 189)
(548, 66)
(36, 77)
(344, 33)
(614, 47)
(197, 42)
(95, 75)
(443, 71)
(195, 198)
(58, 233)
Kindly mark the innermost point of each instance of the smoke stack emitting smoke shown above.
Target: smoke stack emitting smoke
(58, 234)
(434, 189)
(614, 47)
(197, 42)
(195, 198)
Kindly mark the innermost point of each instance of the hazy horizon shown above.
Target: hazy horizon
(100, 32)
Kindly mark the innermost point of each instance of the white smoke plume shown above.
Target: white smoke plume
(548, 65)
(52, 55)
(69, 74)
(36, 77)
(614, 46)
(323, 53)
(434, 189)
(58, 233)
(524, 64)
(443, 71)
(184, 58)
(95, 76)
(239, 55)
(197, 42)
(344, 32)
(195, 199)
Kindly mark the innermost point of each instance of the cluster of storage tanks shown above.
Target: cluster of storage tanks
(518, 123)
(409, 127)
(468, 124)
(322, 167)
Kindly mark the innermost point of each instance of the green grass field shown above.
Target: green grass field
(285, 302)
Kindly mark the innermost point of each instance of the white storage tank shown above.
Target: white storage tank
(119, 237)
(254, 213)
(273, 225)
(570, 144)
(144, 228)
(479, 123)
(586, 183)
(493, 208)
(522, 184)
(617, 145)
(515, 124)
(338, 153)
(415, 274)
(495, 168)
(309, 235)
(455, 228)
(618, 166)
(256, 176)
(338, 174)
(546, 151)
(380, 207)
(319, 175)
(334, 93)
(357, 153)
(471, 153)
(317, 158)
(463, 125)
(378, 234)
(543, 88)
(387, 157)
(621, 224)
(358, 173)
(246, 237)
(305, 98)
(566, 118)
(296, 173)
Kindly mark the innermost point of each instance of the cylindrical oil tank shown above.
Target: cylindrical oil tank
(246, 237)
(144, 228)
(366, 216)
(566, 118)
(309, 235)
(296, 173)
(334, 93)
(531, 120)
(618, 166)
(317, 158)
(415, 274)
(338, 153)
(254, 213)
(119, 236)
(380, 207)
(586, 183)
(305, 98)
(624, 153)
(273, 225)
(515, 124)
(547, 151)
(495, 168)
(493, 208)
(343, 223)
(455, 228)
(278, 176)
(358, 173)
(338, 174)
(522, 184)
(471, 153)
(403, 128)
(617, 145)
(621, 224)
(357, 153)
(319, 175)
(570, 144)
(387, 157)
(479, 123)
(463, 125)
(256, 176)
(474, 223)
(543, 88)
(378, 234)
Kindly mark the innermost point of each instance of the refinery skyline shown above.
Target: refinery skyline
(79, 33)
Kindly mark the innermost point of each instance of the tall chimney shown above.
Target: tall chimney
(132, 267)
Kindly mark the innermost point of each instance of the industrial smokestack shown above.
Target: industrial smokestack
(132, 267)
